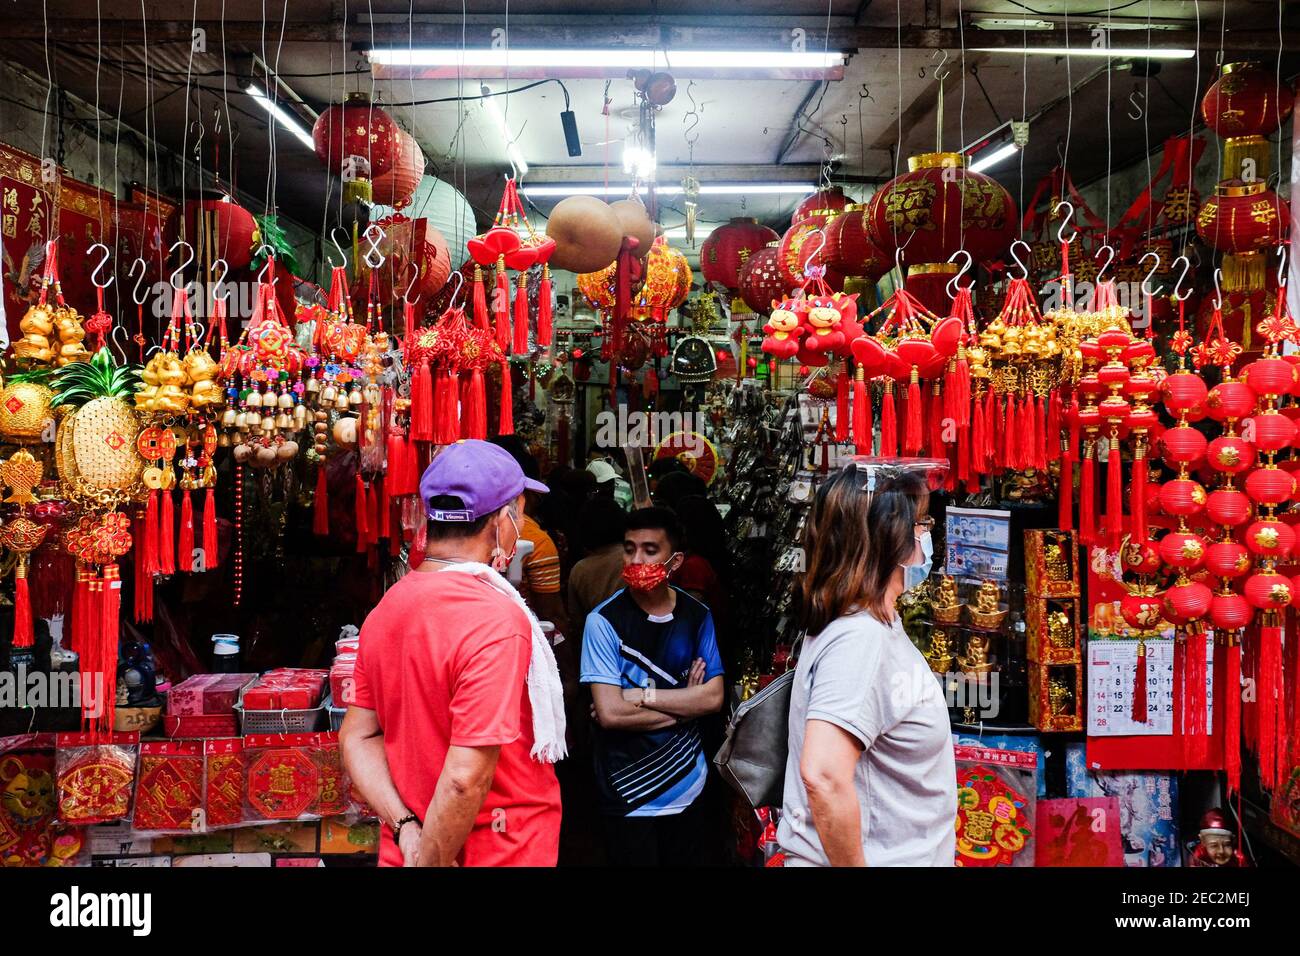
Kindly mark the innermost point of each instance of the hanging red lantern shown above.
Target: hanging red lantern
(357, 128)
(1244, 221)
(804, 245)
(727, 248)
(232, 227)
(396, 187)
(1244, 105)
(849, 250)
(760, 280)
(938, 207)
(821, 205)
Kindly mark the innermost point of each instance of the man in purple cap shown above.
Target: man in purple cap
(458, 712)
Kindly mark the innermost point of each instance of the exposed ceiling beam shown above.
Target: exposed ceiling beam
(760, 34)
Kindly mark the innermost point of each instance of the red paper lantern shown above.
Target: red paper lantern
(396, 187)
(1230, 454)
(1227, 559)
(233, 227)
(821, 205)
(725, 251)
(1270, 487)
(1186, 601)
(1270, 538)
(1228, 507)
(1184, 550)
(804, 245)
(938, 207)
(850, 251)
(357, 128)
(1247, 100)
(760, 280)
(1268, 591)
(1230, 611)
(1182, 496)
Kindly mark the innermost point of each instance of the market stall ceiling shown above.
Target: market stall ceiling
(887, 97)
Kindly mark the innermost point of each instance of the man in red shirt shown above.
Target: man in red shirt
(458, 714)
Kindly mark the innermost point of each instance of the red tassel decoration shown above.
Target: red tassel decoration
(1272, 712)
(520, 345)
(1140, 685)
(211, 547)
(150, 543)
(474, 424)
(320, 506)
(842, 407)
(506, 424)
(361, 513)
(1231, 698)
(888, 422)
(545, 327)
(24, 635)
(480, 300)
(501, 306)
(861, 415)
(166, 535)
(422, 403)
(1114, 496)
(185, 542)
(914, 427)
(1088, 497)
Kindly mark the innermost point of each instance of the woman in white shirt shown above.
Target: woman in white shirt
(870, 779)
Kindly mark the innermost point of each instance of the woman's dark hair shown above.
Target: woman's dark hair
(657, 519)
(854, 541)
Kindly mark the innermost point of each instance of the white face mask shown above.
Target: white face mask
(500, 560)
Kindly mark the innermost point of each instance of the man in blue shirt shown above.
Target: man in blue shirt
(651, 659)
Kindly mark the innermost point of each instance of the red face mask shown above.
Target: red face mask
(645, 577)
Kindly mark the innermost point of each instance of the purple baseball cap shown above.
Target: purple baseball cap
(482, 475)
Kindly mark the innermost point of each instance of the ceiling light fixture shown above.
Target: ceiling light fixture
(281, 115)
(513, 151)
(1117, 53)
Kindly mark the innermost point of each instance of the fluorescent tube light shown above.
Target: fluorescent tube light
(512, 148)
(993, 157)
(1117, 53)
(282, 116)
(594, 59)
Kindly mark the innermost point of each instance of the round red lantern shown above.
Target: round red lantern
(1270, 538)
(1243, 220)
(1231, 454)
(821, 205)
(1268, 591)
(760, 280)
(804, 245)
(357, 128)
(939, 206)
(396, 187)
(1245, 104)
(1228, 506)
(1186, 601)
(1229, 611)
(1227, 559)
(1270, 486)
(724, 252)
(849, 250)
(1182, 496)
(1182, 549)
(232, 227)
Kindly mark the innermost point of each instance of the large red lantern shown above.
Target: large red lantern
(804, 245)
(724, 253)
(231, 227)
(1244, 221)
(821, 206)
(849, 250)
(938, 207)
(396, 187)
(1245, 104)
(357, 128)
(760, 280)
